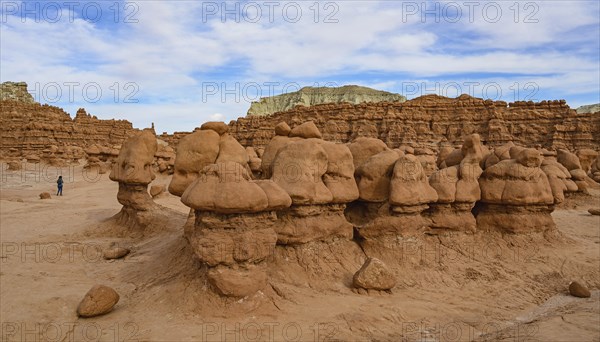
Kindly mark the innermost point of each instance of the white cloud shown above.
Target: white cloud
(171, 52)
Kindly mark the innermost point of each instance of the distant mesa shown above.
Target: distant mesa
(16, 91)
(310, 96)
(588, 109)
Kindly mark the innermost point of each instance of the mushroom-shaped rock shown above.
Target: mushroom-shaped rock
(194, 152)
(133, 170)
(134, 163)
(225, 188)
(374, 275)
(318, 176)
(458, 190)
(233, 230)
(516, 195)
(306, 130)
(97, 301)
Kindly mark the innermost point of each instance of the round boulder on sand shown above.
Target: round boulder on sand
(45, 195)
(115, 253)
(374, 275)
(99, 300)
(578, 290)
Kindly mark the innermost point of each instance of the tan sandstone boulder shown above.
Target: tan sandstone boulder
(374, 275)
(99, 300)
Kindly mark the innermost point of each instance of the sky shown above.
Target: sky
(178, 64)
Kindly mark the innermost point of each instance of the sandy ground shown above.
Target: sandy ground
(450, 288)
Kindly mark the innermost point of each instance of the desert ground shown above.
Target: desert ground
(453, 287)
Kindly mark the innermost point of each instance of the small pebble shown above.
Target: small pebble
(115, 253)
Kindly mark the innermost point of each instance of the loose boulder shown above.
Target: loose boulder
(115, 252)
(374, 275)
(578, 290)
(99, 300)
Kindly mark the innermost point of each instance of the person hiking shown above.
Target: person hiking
(59, 182)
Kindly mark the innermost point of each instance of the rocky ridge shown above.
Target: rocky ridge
(310, 96)
(434, 121)
(29, 128)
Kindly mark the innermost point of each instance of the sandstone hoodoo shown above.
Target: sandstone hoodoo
(233, 232)
(318, 177)
(133, 170)
(458, 189)
(516, 195)
(209, 145)
(393, 193)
